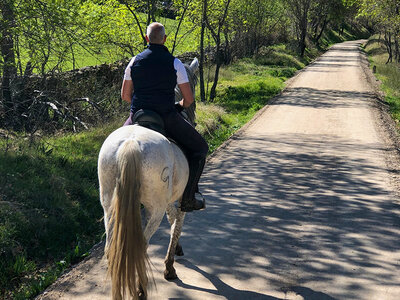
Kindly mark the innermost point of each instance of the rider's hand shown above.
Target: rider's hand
(178, 107)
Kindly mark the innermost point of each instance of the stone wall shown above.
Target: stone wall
(87, 95)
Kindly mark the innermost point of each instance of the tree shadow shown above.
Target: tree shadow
(309, 294)
(322, 99)
(298, 211)
(293, 217)
(222, 289)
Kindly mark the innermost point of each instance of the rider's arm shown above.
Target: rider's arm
(183, 84)
(127, 90)
(186, 94)
(127, 84)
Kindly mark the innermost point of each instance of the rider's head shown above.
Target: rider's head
(155, 33)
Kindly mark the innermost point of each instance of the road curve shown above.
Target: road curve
(301, 203)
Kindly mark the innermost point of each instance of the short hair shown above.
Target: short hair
(156, 33)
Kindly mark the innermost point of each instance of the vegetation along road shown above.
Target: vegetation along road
(301, 203)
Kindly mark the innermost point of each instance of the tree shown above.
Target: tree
(8, 26)
(255, 24)
(299, 10)
(215, 20)
(386, 16)
(201, 66)
(48, 31)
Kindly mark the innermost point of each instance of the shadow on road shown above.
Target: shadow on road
(302, 213)
(222, 289)
(306, 215)
(322, 99)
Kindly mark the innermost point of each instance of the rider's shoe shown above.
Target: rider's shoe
(198, 203)
(192, 199)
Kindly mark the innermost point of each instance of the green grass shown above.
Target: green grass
(353, 32)
(50, 214)
(388, 74)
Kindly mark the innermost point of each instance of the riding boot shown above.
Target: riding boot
(189, 201)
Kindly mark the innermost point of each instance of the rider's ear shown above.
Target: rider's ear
(147, 38)
(165, 38)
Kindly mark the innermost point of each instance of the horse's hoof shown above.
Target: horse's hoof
(179, 250)
(142, 296)
(170, 274)
(140, 293)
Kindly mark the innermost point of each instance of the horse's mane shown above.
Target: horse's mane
(190, 111)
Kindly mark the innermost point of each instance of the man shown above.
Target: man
(149, 83)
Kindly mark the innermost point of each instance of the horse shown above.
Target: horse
(139, 166)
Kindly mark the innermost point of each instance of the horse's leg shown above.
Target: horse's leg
(106, 193)
(176, 230)
(154, 220)
(141, 294)
(171, 215)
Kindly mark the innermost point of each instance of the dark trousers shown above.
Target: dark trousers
(183, 133)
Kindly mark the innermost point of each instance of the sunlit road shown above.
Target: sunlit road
(300, 204)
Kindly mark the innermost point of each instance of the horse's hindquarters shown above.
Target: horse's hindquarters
(164, 167)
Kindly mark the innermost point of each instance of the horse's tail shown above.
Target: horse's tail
(127, 258)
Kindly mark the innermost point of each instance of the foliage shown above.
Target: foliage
(385, 18)
(257, 23)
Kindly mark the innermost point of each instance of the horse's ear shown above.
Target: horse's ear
(194, 65)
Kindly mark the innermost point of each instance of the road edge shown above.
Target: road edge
(387, 128)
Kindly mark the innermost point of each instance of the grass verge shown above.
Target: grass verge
(387, 73)
(49, 209)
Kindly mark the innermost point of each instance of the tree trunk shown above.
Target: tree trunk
(227, 50)
(388, 44)
(299, 10)
(302, 41)
(142, 34)
(213, 91)
(186, 5)
(201, 64)
(151, 11)
(324, 24)
(303, 26)
(9, 65)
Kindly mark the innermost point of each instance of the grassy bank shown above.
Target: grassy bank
(49, 210)
(388, 74)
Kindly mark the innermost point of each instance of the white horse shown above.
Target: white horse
(140, 166)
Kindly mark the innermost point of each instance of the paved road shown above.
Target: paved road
(300, 204)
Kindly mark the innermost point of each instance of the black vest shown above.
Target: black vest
(154, 79)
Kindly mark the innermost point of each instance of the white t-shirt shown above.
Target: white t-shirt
(181, 75)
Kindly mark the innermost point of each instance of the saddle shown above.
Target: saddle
(152, 120)
(149, 119)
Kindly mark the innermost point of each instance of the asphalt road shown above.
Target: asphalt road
(301, 203)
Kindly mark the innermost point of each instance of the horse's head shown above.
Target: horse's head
(191, 72)
(194, 66)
